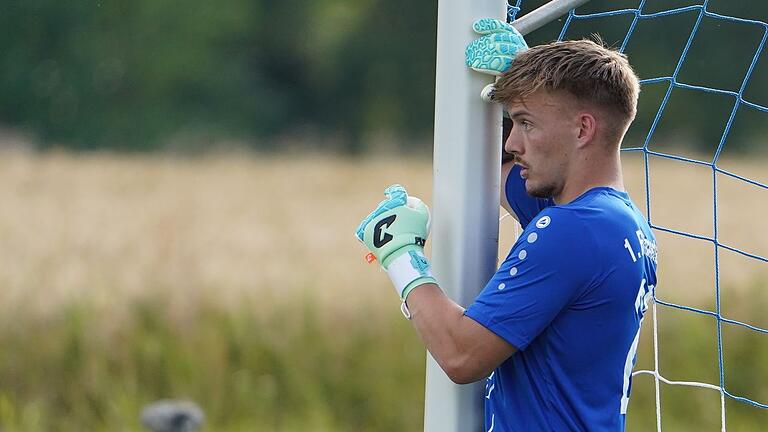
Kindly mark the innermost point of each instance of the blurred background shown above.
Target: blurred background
(180, 181)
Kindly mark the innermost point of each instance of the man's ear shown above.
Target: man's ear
(587, 128)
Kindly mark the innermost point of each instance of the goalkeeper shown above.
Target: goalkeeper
(555, 331)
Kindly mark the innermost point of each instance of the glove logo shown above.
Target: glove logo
(380, 238)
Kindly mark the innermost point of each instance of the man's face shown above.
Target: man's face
(542, 140)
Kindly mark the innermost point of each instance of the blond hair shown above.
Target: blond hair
(586, 70)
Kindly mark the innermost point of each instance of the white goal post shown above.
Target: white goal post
(467, 161)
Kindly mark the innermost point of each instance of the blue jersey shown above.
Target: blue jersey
(570, 297)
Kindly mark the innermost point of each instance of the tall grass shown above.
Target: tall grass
(286, 370)
(290, 370)
(236, 282)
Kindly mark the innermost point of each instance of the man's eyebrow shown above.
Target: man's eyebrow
(519, 113)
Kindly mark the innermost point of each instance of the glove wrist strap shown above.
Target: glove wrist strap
(408, 267)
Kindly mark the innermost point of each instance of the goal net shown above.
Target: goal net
(703, 105)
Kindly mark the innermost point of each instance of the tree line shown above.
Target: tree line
(144, 74)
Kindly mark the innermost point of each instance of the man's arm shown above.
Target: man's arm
(506, 168)
(464, 349)
(523, 206)
(395, 233)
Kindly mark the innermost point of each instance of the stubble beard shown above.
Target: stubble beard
(537, 191)
(546, 191)
(540, 191)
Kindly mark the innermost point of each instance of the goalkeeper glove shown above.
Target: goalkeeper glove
(395, 233)
(494, 52)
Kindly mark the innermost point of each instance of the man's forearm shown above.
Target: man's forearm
(395, 233)
(435, 318)
(452, 338)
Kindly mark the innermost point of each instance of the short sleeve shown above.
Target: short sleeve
(525, 206)
(546, 270)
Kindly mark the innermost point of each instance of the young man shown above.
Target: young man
(555, 330)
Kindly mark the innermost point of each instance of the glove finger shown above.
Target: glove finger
(513, 42)
(491, 25)
(492, 65)
(482, 50)
(419, 206)
(396, 193)
(396, 196)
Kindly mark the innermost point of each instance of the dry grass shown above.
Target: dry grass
(230, 228)
(111, 229)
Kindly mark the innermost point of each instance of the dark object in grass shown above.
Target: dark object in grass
(172, 416)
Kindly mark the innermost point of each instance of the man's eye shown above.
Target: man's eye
(526, 125)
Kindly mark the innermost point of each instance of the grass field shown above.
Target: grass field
(236, 281)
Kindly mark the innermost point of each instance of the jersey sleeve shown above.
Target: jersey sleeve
(548, 268)
(525, 206)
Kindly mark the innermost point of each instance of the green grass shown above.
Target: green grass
(296, 368)
(287, 370)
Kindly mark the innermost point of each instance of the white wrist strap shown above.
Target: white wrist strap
(408, 267)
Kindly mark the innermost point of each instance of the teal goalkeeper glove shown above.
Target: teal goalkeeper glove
(494, 52)
(396, 233)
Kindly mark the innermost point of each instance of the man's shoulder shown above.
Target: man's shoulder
(585, 226)
(558, 230)
(601, 209)
(563, 220)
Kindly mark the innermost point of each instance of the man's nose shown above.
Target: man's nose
(511, 145)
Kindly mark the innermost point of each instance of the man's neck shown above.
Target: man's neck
(589, 174)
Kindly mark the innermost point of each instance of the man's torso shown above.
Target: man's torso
(570, 296)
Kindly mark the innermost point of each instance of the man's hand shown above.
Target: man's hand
(494, 52)
(395, 233)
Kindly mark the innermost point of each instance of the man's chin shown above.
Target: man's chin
(537, 192)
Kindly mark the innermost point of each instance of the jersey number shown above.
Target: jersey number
(641, 305)
(629, 248)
